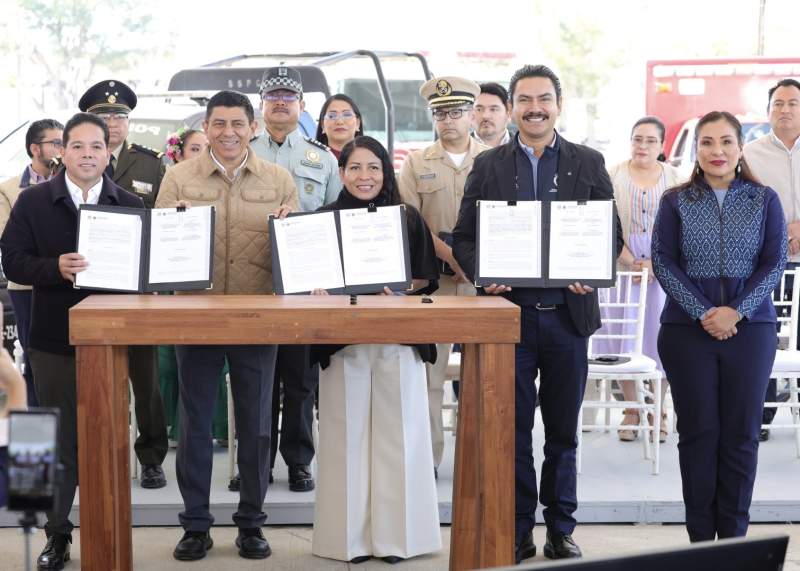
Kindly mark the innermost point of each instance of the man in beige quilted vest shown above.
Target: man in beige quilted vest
(43, 143)
(244, 190)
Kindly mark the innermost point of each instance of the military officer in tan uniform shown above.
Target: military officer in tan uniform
(432, 180)
(138, 170)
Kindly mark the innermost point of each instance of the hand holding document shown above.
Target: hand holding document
(546, 244)
(137, 250)
(344, 251)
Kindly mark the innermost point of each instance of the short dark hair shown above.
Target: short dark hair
(321, 136)
(231, 99)
(787, 82)
(496, 89)
(80, 119)
(527, 71)
(36, 132)
(389, 181)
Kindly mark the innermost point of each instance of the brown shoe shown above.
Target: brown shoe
(662, 427)
(631, 418)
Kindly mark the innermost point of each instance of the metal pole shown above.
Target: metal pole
(762, 5)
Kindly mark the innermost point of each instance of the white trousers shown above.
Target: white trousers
(437, 372)
(376, 494)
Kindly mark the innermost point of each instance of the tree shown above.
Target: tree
(73, 40)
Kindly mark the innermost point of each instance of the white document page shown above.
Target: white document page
(111, 243)
(510, 239)
(180, 243)
(372, 245)
(580, 240)
(308, 249)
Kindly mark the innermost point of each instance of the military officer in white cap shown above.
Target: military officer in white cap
(432, 180)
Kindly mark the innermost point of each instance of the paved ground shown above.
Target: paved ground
(292, 548)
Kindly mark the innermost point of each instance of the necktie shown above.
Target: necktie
(110, 167)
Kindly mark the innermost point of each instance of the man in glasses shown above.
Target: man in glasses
(43, 144)
(316, 174)
(432, 180)
(139, 170)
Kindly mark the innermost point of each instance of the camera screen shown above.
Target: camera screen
(32, 459)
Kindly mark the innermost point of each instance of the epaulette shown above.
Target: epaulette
(316, 143)
(56, 164)
(146, 150)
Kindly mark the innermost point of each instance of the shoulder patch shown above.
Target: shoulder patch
(145, 150)
(316, 143)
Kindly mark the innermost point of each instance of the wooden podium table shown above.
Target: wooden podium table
(103, 326)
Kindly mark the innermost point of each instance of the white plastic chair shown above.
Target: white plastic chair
(639, 369)
(786, 368)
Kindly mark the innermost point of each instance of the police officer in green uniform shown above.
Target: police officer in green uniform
(316, 174)
(138, 170)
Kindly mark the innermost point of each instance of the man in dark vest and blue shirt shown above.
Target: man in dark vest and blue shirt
(139, 170)
(539, 164)
(39, 247)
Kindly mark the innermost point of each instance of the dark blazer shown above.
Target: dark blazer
(139, 170)
(582, 175)
(43, 225)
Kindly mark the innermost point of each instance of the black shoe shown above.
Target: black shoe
(763, 435)
(153, 476)
(55, 552)
(392, 559)
(193, 546)
(252, 544)
(435, 473)
(526, 548)
(561, 546)
(360, 559)
(271, 478)
(235, 484)
(300, 479)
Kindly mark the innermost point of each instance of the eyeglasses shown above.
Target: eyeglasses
(334, 115)
(649, 141)
(285, 97)
(114, 116)
(441, 114)
(57, 143)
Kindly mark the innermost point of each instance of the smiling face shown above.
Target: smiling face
(195, 144)
(85, 155)
(342, 129)
(229, 132)
(646, 145)
(362, 176)
(718, 152)
(535, 109)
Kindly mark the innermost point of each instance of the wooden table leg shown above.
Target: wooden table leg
(103, 461)
(482, 532)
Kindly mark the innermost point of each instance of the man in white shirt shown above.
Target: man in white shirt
(774, 159)
(39, 246)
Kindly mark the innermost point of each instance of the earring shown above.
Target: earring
(698, 170)
(738, 170)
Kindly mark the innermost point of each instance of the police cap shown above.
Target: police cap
(449, 91)
(281, 77)
(108, 96)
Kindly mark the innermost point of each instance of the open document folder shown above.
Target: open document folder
(545, 244)
(138, 250)
(351, 251)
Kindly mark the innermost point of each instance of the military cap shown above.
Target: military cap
(108, 96)
(281, 77)
(449, 91)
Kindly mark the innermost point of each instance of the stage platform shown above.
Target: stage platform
(615, 486)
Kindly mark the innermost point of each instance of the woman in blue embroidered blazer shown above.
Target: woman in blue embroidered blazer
(719, 248)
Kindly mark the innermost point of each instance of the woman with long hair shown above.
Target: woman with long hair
(376, 493)
(339, 122)
(719, 249)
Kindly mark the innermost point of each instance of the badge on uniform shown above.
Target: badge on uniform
(309, 188)
(427, 176)
(140, 187)
(312, 155)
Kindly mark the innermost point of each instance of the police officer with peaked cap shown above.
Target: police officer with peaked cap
(316, 174)
(139, 170)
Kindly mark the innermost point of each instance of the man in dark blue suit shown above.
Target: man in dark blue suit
(539, 164)
(39, 247)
